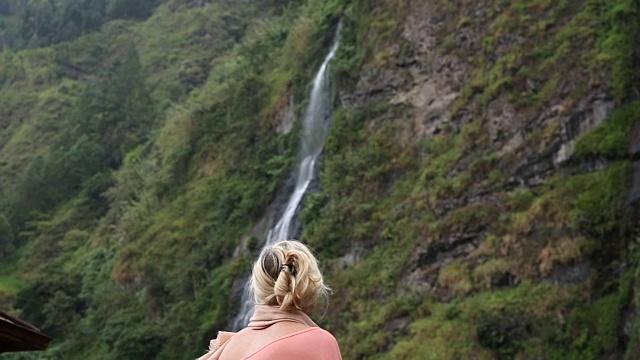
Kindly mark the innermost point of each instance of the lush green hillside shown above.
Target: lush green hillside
(476, 196)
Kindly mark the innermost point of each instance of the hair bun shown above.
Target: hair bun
(297, 283)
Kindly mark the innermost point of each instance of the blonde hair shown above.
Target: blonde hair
(286, 274)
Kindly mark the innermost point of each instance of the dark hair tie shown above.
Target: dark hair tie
(291, 268)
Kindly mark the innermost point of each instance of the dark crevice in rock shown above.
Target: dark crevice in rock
(450, 248)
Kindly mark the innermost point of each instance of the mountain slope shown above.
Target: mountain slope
(475, 199)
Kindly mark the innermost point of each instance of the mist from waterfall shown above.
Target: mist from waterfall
(315, 126)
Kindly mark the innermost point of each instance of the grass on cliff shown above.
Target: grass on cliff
(526, 243)
(610, 140)
(566, 41)
(529, 321)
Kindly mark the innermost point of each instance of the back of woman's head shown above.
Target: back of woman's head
(286, 274)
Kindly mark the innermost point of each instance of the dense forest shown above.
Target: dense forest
(476, 198)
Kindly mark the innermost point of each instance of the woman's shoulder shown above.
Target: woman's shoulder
(315, 333)
(321, 334)
(311, 343)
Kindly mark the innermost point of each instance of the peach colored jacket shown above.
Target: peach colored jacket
(309, 344)
(312, 343)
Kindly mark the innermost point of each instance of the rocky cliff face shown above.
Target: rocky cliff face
(428, 80)
(499, 107)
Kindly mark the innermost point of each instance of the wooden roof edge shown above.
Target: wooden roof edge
(18, 335)
(16, 338)
(14, 319)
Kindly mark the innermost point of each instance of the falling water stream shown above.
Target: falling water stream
(315, 125)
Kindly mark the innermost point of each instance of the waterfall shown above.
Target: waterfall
(315, 125)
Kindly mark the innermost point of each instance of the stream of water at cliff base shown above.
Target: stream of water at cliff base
(315, 126)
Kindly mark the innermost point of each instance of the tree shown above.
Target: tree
(127, 9)
(38, 23)
(115, 113)
(6, 238)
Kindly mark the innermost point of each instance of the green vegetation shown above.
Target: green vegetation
(568, 221)
(127, 216)
(612, 139)
(564, 40)
(140, 146)
(9, 286)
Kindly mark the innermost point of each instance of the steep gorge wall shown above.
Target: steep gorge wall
(495, 216)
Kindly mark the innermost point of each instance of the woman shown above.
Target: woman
(286, 284)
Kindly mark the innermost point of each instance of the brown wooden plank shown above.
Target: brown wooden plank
(18, 335)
